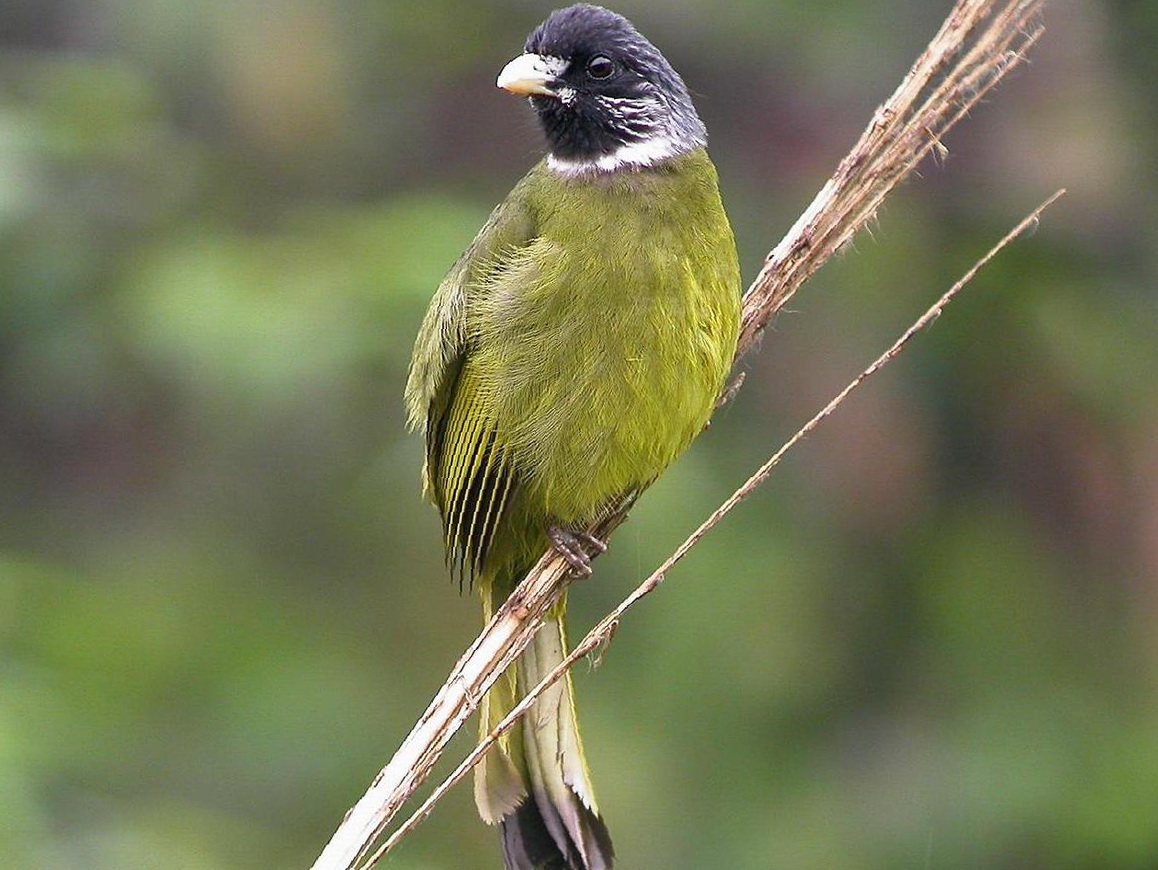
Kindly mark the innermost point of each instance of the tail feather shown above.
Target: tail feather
(499, 786)
(528, 843)
(536, 783)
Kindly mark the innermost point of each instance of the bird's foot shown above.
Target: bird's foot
(575, 547)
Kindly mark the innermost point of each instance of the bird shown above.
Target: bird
(572, 352)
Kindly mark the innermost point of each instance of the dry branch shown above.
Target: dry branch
(979, 43)
(987, 42)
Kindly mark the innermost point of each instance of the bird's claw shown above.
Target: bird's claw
(572, 546)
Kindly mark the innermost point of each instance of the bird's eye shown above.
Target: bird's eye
(600, 67)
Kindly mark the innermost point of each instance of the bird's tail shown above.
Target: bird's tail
(534, 782)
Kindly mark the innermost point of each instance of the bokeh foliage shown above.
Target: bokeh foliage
(930, 642)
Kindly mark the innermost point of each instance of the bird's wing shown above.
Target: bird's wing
(465, 473)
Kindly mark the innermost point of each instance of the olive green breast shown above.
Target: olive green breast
(603, 344)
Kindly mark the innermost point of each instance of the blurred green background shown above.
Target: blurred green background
(931, 641)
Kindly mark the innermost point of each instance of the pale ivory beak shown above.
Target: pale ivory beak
(530, 75)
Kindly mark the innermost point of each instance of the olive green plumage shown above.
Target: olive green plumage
(570, 355)
(575, 349)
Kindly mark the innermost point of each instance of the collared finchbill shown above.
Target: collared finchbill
(612, 261)
(530, 75)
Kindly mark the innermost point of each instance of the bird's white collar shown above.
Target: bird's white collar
(636, 155)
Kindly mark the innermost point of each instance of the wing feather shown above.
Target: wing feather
(474, 477)
(468, 474)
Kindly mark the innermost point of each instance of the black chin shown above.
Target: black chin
(575, 136)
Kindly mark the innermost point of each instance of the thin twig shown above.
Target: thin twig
(980, 42)
(929, 102)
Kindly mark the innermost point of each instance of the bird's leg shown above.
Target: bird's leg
(573, 546)
(596, 544)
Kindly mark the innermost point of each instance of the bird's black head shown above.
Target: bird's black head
(606, 97)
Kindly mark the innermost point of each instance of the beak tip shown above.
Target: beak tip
(526, 76)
